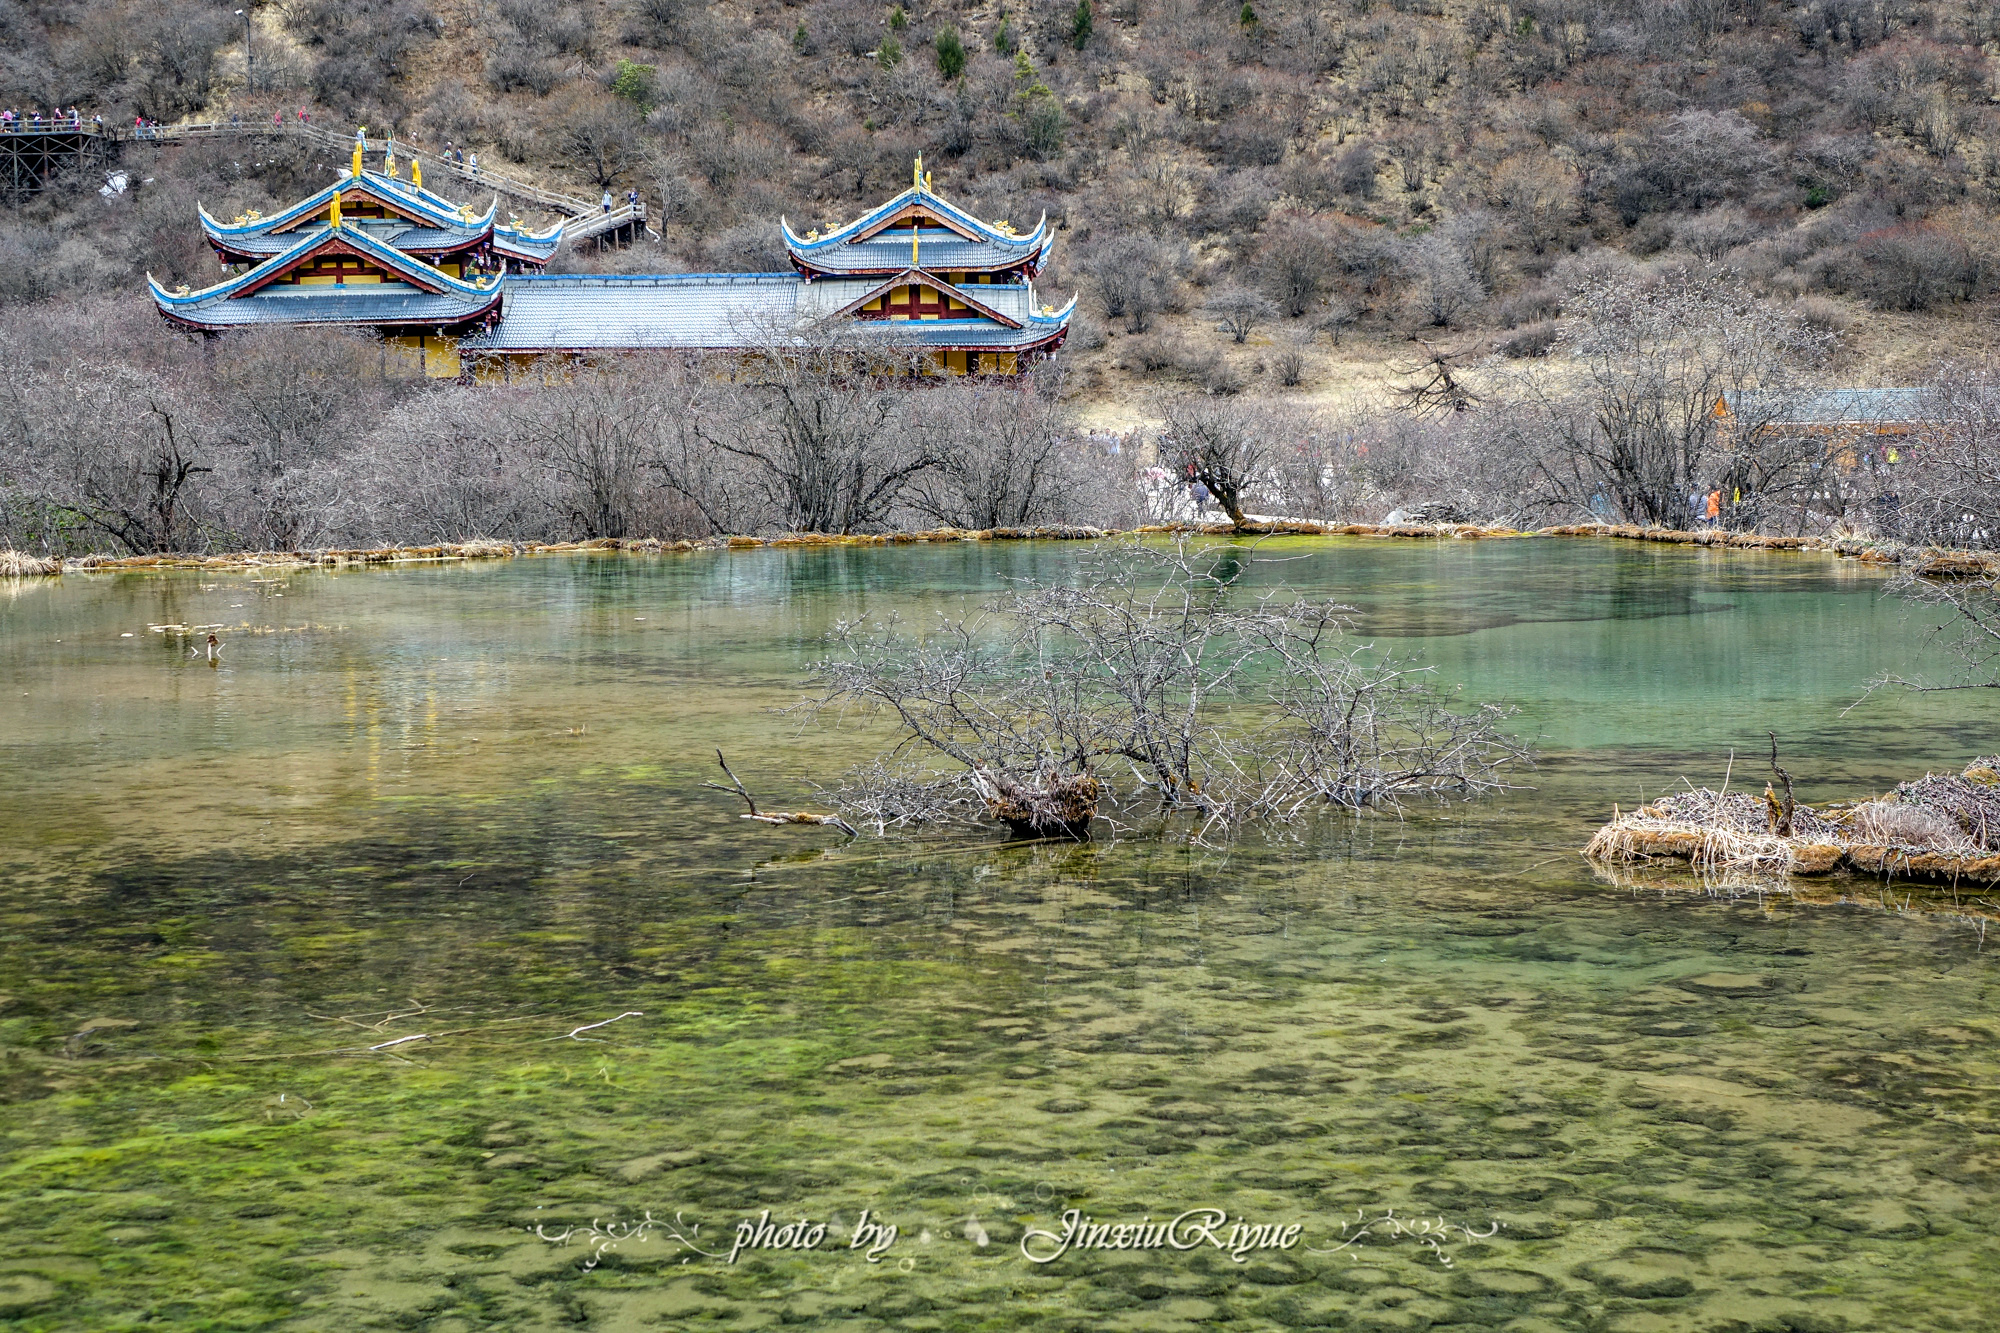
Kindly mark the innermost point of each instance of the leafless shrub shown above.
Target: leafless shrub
(1224, 707)
(1289, 361)
(1627, 423)
(820, 432)
(1914, 266)
(1531, 340)
(1897, 824)
(1134, 279)
(1239, 311)
(1297, 263)
(1003, 457)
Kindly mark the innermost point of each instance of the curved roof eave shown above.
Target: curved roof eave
(388, 255)
(1058, 317)
(907, 197)
(421, 200)
(312, 202)
(256, 275)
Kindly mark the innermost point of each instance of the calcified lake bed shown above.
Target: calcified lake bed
(461, 805)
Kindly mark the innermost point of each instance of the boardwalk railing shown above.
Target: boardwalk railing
(625, 217)
(590, 222)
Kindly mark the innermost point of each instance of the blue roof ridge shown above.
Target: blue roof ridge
(912, 195)
(391, 257)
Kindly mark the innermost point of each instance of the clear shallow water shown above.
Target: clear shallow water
(474, 790)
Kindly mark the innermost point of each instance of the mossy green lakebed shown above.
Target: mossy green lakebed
(463, 804)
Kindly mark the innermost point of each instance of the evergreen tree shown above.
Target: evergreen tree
(950, 53)
(1080, 24)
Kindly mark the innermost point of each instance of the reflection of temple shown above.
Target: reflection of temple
(375, 251)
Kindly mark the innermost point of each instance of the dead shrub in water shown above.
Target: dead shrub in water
(1895, 824)
(19, 564)
(1225, 708)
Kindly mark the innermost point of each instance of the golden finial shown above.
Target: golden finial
(360, 142)
(333, 217)
(927, 182)
(416, 173)
(917, 173)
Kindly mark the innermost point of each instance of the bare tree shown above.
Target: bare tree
(1436, 382)
(1229, 445)
(592, 431)
(1629, 417)
(821, 430)
(1002, 453)
(290, 403)
(1240, 311)
(1222, 705)
(114, 452)
(1948, 483)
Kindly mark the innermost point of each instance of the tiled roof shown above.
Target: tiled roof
(586, 312)
(206, 306)
(524, 244)
(938, 250)
(360, 303)
(425, 205)
(972, 225)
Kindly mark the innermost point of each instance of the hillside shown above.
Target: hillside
(1332, 180)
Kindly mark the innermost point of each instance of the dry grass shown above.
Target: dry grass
(21, 565)
(1943, 828)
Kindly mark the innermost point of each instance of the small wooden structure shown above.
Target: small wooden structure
(33, 154)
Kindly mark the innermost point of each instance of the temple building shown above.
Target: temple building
(465, 294)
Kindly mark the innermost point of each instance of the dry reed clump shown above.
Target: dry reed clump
(1942, 827)
(21, 565)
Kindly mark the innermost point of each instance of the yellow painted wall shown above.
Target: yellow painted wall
(437, 357)
(441, 359)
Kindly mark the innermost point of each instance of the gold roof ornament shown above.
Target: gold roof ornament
(360, 142)
(417, 173)
(917, 173)
(333, 216)
(813, 235)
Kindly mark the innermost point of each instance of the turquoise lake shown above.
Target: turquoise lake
(394, 970)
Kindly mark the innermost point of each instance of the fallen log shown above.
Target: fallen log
(776, 816)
